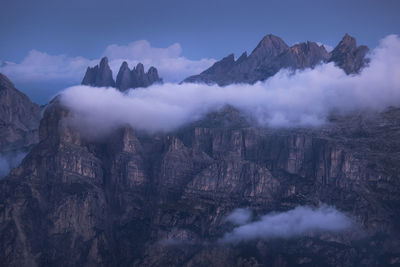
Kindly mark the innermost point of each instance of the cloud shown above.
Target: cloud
(239, 216)
(9, 161)
(303, 98)
(328, 48)
(41, 67)
(297, 222)
(172, 67)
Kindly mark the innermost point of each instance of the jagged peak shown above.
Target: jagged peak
(242, 57)
(104, 62)
(139, 68)
(348, 42)
(124, 65)
(270, 45)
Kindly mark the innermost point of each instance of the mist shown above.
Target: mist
(297, 222)
(239, 216)
(288, 99)
(9, 161)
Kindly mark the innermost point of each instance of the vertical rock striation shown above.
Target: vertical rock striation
(143, 200)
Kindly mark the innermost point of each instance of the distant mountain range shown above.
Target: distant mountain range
(270, 56)
(273, 54)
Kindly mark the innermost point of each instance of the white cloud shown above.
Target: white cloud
(297, 222)
(328, 48)
(301, 99)
(239, 216)
(41, 67)
(172, 67)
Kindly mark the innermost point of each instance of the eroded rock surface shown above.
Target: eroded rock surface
(134, 199)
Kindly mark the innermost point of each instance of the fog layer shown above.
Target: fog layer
(303, 98)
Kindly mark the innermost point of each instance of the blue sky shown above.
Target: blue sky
(203, 29)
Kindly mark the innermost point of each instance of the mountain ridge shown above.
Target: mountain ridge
(273, 54)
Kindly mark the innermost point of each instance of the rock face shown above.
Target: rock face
(161, 200)
(273, 54)
(348, 56)
(19, 120)
(101, 76)
(135, 78)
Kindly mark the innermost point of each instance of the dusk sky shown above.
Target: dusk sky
(47, 44)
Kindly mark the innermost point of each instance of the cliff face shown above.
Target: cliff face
(273, 54)
(19, 124)
(101, 76)
(140, 200)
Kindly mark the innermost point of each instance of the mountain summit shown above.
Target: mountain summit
(136, 77)
(348, 56)
(273, 54)
(101, 76)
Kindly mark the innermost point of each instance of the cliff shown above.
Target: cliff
(135, 199)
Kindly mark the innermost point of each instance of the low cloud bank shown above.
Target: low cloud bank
(9, 161)
(303, 98)
(297, 222)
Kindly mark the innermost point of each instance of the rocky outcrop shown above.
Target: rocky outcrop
(348, 56)
(272, 54)
(136, 77)
(134, 199)
(19, 123)
(99, 75)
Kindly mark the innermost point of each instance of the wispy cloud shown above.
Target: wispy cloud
(297, 222)
(41, 67)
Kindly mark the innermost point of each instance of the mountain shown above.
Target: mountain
(136, 77)
(19, 123)
(348, 56)
(134, 199)
(101, 76)
(273, 54)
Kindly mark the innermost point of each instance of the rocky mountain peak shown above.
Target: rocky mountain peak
(136, 77)
(139, 68)
(269, 46)
(100, 75)
(348, 56)
(347, 44)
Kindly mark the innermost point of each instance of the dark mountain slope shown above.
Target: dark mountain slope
(141, 200)
(273, 54)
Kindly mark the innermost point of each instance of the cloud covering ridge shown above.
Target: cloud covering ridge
(288, 99)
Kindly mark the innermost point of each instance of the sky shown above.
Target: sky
(73, 34)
